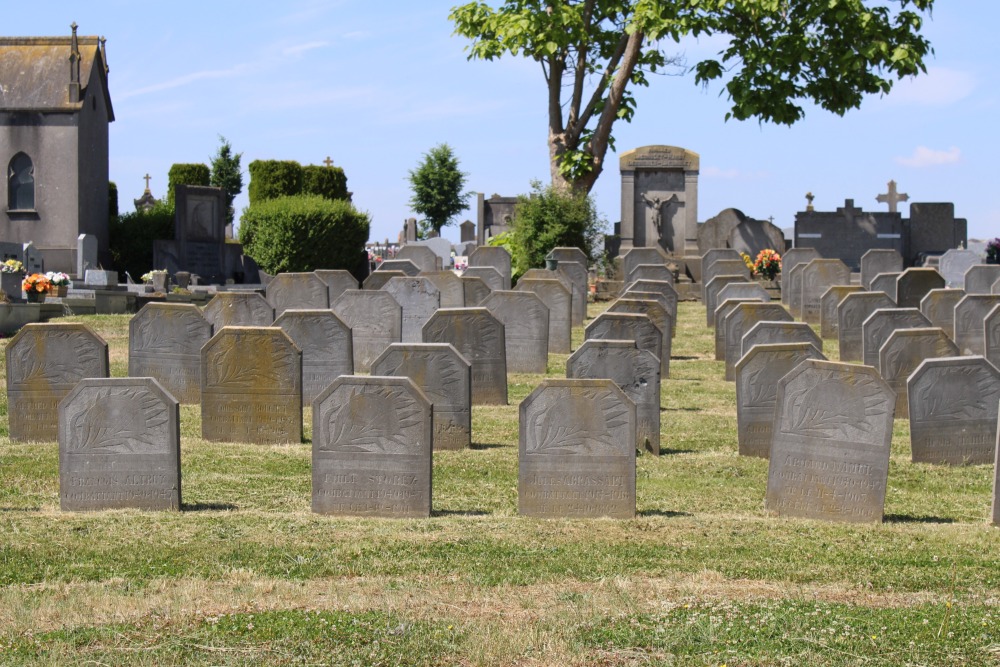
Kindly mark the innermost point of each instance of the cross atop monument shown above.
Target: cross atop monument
(892, 197)
(328, 162)
(809, 198)
(147, 177)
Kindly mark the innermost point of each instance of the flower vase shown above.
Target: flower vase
(160, 282)
(60, 290)
(36, 296)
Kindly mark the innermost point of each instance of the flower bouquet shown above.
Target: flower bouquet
(59, 281)
(767, 265)
(36, 286)
(12, 266)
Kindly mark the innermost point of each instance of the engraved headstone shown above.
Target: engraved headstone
(487, 274)
(742, 319)
(970, 318)
(576, 315)
(238, 309)
(479, 337)
(494, 256)
(650, 272)
(301, 291)
(828, 303)
(371, 452)
(476, 291)
(525, 320)
(635, 327)
(979, 278)
(773, 333)
(938, 306)
(913, 284)
(752, 290)
(817, 277)
(991, 336)
(376, 280)
(119, 446)
(636, 256)
(830, 444)
(725, 267)
(712, 290)
(996, 487)
(337, 282)
(954, 263)
(664, 289)
(852, 312)
(164, 342)
(880, 324)
(576, 273)
(568, 254)
(576, 450)
(422, 256)
(419, 298)
(660, 317)
(903, 351)
(557, 299)
(789, 261)
(879, 260)
(406, 266)
(885, 283)
(376, 321)
(658, 298)
(791, 281)
(727, 306)
(450, 286)
(326, 345)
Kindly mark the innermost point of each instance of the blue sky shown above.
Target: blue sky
(374, 85)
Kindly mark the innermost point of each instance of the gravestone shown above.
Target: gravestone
(371, 451)
(406, 266)
(660, 317)
(376, 321)
(376, 280)
(852, 312)
(830, 444)
(467, 232)
(725, 267)
(913, 285)
(525, 320)
(885, 283)
(789, 260)
(445, 377)
(635, 327)
(337, 282)
(751, 290)
(496, 257)
(880, 324)
(475, 291)
(712, 290)
(664, 289)
(326, 345)
(954, 263)
(996, 488)
(938, 306)
(418, 298)
(238, 309)
(651, 272)
(741, 320)
(751, 236)
(903, 351)
(979, 279)
(557, 299)
(199, 243)
(576, 273)
(479, 337)
(728, 306)
(828, 303)
(442, 249)
(487, 274)
(715, 232)
(251, 387)
(576, 450)
(44, 363)
(953, 411)
(712, 255)
(635, 371)
(568, 254)
(817, 277)
(450, 286)
(164, 342)
(991, 336)
(576, 315)
(879, 260)
(970, 319)
(757, 375)
(633, 257)
(792, 282)
(658, 298)
(775, 333)
(119, 446)
(422, 256)
(86, 254)
(299, 291)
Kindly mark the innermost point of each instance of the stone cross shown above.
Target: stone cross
(328, 162)
(147, 177)
(892, 197)
(809, 198)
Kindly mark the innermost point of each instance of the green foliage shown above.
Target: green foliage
(112, 200)
(327, 182)
(270, 179)
(226, 174)
(194, 173)
(304, 233)
(437, 185)
(131, 236)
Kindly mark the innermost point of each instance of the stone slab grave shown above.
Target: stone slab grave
(789, 260)
(991, 336)
(830, 444)
(576, 273)
(828, 303)
(408, 267)
(757, 375)
(720, 332)
(954, 263)
(372, 448)
(660, 317)
(636, 256)
(557, 299)
(525, 320)
(879, 326)
(658, 298)
(337, 282)
(938, 306)
(576, 451)
(326, 344)
(475, 290)
(979, 278)
(238, 309)
(164, 342)
(903, 351)
(445, 377)
(740, 320)
(725, 267)
(479, 337)
(496, 257)
(651, 272)
(251, 387)
(376, 280)
(852, 312)
(879, 260)
(913, 284)
(970, 322)
(419, 299)
(487, 274)
(635, 371)
(301, 291)
(376, 321)
(711, 297)
(576, 315)
(885, 283)
(44, 363)
(450, 286)
(953, 411)
(119, 446)
(423, 257)
(774, 333)
(636, 327)
(818, 276)
(664, 289)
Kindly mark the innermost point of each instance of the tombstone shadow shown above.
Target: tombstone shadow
(666, 514)
(664, 451)
(208, 507)
(911, 518)
(485, 445)
(459, 513)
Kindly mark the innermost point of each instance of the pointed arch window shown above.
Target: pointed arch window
(21, 183)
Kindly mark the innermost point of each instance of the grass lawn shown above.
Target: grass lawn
(247, 575)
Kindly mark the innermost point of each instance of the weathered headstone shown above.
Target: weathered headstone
(660, 317)
(301, 291)
(664, 289)
(739, 321)
(576, 273)
(376, 321)
(650, 272)
(712, 255)
(752, 290)
(337, 282)
(119, 446)
(479, 337)
(251, 387)
(494, 256)
(637, 327)
(376, 280)
(725, 267)
(408, 267)
(879, 260)
(419, 298)
(576, 315)
(371, 452)
(953, 411)
(476, 291)
(903, 351)
(757, 375)
(996, 487)
(979, 278)
(828, 303)
(557, 299)
(727, 306)
(445, 377)
(712, 291)
(487, 274)
(636, 256)
(913, 284)
(938, 306)
(885, 283)
(238, 309)
(568, 254)
(775, 333)
(970, 318)
(830, 443)
(791, 281)
(44, 363)
(991, 336)
(954, 263)
(817, 277)
(751, 236)
(789, 260)
(326, 345)
(852, 312)
(450, 286)
(86, 254)
(576, 450)
(164, 342)
(880, 324)
(422, 256)
(525, 320)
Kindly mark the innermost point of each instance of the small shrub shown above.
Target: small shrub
(112, 200)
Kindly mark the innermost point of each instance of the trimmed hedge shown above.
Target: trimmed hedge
(270, 179)
(329, 182)
(131, 236)
(186, 174)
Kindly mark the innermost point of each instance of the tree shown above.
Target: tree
(437, 184)
(226, 174)
(780, 53)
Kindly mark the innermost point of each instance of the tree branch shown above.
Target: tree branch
(598, 93)
(581, 65)
(556, 68)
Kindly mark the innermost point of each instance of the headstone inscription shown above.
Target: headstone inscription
(817, 277)
(494, 256)
(479, 337)
(487, 274)
(326, 345)
(475, 290)
(830, 444)
(879, 260)
(372, 448)
(164, 342)
(376, 321)
(251, 387)
(445, 377)
(377, 279)
(301, 291)
(576, 450)
(789, 260)
(636, 327)
(557, 299)
(979, 278)
(423, 257)
(885, 283)
(828, 303)
(418, 298)
(757, 375)
(903, 351)
(119, 446)
(450, 286)
(913, 284)
(525, 320)
(970, 322)
(44, 363)
(880, 324)
(238, 309)
(773, 333)
(740, 320)
(953, 411)
(938, 306)
(728, 306)
(852, 312)
(712, 290)
(954, 263)
(337, 282)
(660, 317)
(404, 265)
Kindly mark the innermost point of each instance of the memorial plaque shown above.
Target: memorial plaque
(479, 337)
(885, 283)
(712, 291)
(954, 263)
(979, 278)
(406, 266)
(376, 280)
(638, 328)
(740, 320)
(476, 291)
(664, 289)
(557, 299)
(828, 303)
(337, 282)
(817, 277)
(789, 260)
(119, 446)
(938, 306)
(903, 351)
(830, 444)
(489, 275)
(251, 387)
(636, 256)
(164, 342)
(326, 344)
(913, 284)
(953, 411)
(720, 331)
(238, 309)
(494, 256)
(376, 321)
(577, 275)
(879, 260)
(757, 375)
(445, 377)
(525, 322)
(970, 322)
(421, 255)
(660, 317)
(880, 324)
(852, 312)
(450, 285)
(371, 452)
(651, 272)
(301, 291)
(576, 451)
(418, 298)
(44, 363)
(773, 333)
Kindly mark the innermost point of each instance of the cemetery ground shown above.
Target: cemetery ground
(246, 574)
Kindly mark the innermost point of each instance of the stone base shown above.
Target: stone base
(13, 316)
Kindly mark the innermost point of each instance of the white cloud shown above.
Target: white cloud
(928, 157)
(940, 86)
(299, 49)
(184, 80)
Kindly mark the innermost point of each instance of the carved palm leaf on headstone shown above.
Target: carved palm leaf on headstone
(122, 421)
(231, 368)
(581, 424)
(64, 357)
(956, 394)
(841, 408)
(153, 334)
(763, 390)
(385, 421)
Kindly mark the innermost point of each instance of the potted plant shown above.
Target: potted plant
(158, 278)
(35, 287)
(993, 251)
(11, 273)
(59, 281)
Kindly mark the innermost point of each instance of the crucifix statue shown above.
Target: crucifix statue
(892, 197)
(656, 205)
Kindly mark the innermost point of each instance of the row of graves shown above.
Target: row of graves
(921, 344)
(391, 372)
